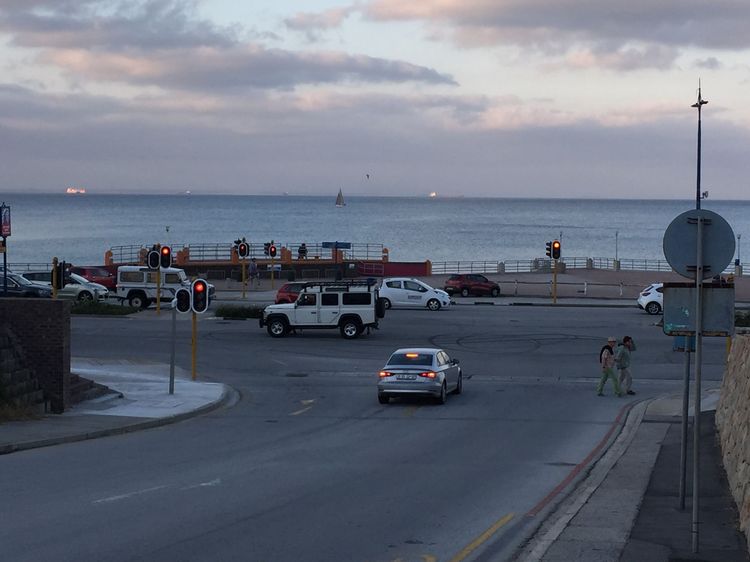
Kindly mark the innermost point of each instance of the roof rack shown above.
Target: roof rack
(342, 284)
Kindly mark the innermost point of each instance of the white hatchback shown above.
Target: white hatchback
(407, 292)
(651, 298)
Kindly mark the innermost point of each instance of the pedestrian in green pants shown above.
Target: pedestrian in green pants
(607, 362)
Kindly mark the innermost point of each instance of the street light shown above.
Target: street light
(739, 256)
(617, 234)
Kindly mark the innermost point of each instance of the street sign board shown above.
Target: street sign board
(337, 245)
(4, 220)
(718, 309)
(681, 243)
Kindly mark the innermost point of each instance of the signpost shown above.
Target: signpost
(4, 233)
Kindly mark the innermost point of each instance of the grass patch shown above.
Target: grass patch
(239, 312)
(742, 318)
(101, 308)
(14, 413)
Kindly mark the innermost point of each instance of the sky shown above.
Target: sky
(485, 98)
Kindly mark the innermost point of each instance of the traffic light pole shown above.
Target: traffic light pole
(158, 290)
(554, 281)
(194, 344)
(173, 352)
(54, 278)
(271, 272)
(244, 277)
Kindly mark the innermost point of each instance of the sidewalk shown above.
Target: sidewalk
(141, 401)
(627, 507)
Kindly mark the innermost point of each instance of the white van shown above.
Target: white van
(137, 284)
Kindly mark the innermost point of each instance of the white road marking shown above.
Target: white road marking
(214, 482)
(129, 495)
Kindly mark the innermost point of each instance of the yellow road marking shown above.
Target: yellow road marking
(476, 543)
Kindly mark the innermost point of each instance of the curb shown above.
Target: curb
(227, 393)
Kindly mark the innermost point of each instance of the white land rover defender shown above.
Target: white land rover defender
(137, 284)
(350, 306)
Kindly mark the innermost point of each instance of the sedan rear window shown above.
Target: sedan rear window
(420, 359)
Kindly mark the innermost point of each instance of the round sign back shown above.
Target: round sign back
(681, 243)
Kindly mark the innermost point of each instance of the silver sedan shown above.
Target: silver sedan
(420, 370)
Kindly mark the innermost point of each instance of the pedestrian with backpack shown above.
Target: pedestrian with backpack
(607, 364)
(622, 361)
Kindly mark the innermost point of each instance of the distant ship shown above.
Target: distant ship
(340, 199)
(75, 191)
(433, 194)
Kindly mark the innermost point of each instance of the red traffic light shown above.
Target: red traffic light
(272, 251)
(200, 296)
(243, 250)
(165, 259)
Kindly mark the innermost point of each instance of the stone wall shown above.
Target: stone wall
(733, 423)
(42, 327)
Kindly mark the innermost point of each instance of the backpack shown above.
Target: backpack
(601, 351)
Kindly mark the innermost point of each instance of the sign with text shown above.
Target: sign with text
(4, 221)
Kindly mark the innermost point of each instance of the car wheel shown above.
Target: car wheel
(85, 296)
(350, 329)
(386, 304)
(383, 398)
(433, 304)
(443, 397)
(138, 300)
(460, 384)
(653, 307)
(495, 291)
(465, 292)
(277, 328)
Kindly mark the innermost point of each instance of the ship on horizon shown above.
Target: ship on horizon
(75, 191)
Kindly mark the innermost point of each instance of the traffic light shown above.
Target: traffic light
(267, 248)
(184, 300)
(549, 249)
(59, 275)
(556, 249)
(153, 259)
(272, 251)
(165, 260)
(199, 291)
(243, 250)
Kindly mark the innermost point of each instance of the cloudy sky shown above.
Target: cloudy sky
(506, 98)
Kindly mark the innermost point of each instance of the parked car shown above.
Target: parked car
(21, 287)
(651, 298)
(407, 292)
(137, 285)
(97, 274)
(75, 288)
(288, 292)
(420, 370)
(466, 284)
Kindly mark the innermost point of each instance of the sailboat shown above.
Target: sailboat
(340, 199)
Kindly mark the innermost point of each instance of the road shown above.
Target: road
(306, 465)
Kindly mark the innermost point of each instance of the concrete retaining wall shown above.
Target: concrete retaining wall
(733, 423)
(42, 328)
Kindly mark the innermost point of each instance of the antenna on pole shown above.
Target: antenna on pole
(700, 103)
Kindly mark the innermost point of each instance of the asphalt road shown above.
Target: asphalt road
(306, 465)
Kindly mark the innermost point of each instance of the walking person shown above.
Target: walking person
(253, 271)
(622, 361)
(607, 363)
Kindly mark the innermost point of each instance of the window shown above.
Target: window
(420, 359)
(329, 299)
(356, 298)
(393, 284)
(306, 299)
(172, 278)
(131, 277)
(413, 286)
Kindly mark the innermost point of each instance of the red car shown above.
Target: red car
(97, 274)
(289, 292)
(466, 284)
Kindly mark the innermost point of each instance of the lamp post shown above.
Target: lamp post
(617, 234)
(739, 256)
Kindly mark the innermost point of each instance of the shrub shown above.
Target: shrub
(742, 318)
(105, 309)
(239, 312)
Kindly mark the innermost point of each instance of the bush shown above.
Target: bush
(239, 312)
(105, 309)
(742, 318)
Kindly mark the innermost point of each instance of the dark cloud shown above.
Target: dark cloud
(284, 147)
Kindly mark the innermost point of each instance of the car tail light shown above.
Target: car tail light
(428, 375)
(383, 374)
(412, 355)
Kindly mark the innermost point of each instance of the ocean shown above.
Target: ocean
(80, 228)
